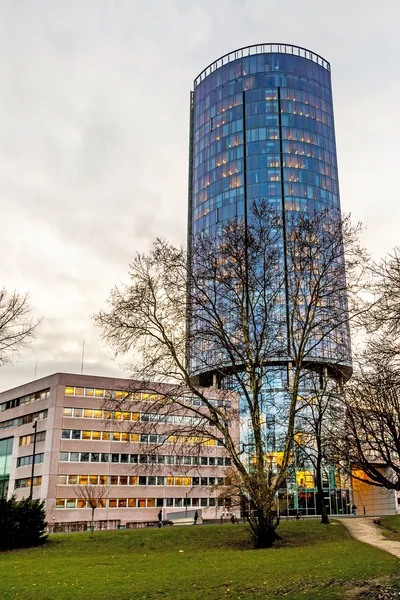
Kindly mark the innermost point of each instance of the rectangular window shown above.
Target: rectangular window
(78, 391)
(64, 456)
(132, 502)
(133, 480)
(60, 502)
(65, 434)
(96, 435)
(84, 456)
(67, 412)
(112, 503)
(87, 413)
(83, 479)
(142, 479)
(114, 480)
(70, 503)
(122, 503)
(105, 435)
(151, 502)
(141, 502)
(97, 414)
(72, 479)
(178, 480)
(69, 391)
(123, 480)
(93, 479)
(62, 480)
(95, 457)
(81, 503)
(86, 435)
(74, 457)
(78, 412)
(103, 479)
(89, 392)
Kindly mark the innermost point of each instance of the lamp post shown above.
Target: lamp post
(34, 425)
(186, 494)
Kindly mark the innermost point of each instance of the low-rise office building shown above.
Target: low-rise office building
(96, 431)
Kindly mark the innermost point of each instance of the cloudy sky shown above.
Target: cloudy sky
(94, 108)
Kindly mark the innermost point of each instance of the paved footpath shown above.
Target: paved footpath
(366, 531)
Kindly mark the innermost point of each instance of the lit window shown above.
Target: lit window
(83, 479)
(123, 480)
(87, 413)
(69, 391)
(97, 414)
(86, 435)
(112, 503)
(151, 502)
(72, 479)
(116, 436)
(96, 435)
(132, 502)
(141, 502)
(133, 480)
(103, 479)
(93, 479)
(60, 502)
(70, 503)
(89, 392)
(81, 503)
(105, 435)
(99, 393)
(122, 503)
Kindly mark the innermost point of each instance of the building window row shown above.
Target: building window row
(116, 415)
(24, 400)
(138, 480)
(36, 416)
(23, 461)
(136, 396)
(25, 440)
(25, 482)
(144, 438)
(137, 502)
(161, 459)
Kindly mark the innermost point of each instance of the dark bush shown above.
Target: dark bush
(22, 523)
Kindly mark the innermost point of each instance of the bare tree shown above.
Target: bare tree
(94, 496)
(370, 444)
(266, 297)
(17, 326)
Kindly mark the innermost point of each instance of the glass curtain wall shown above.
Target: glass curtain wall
(262, 130)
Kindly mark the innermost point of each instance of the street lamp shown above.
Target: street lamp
(186, 493)
(34, 425)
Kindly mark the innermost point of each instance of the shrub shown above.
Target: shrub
(22, 523)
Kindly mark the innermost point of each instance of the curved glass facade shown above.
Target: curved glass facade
(262, 130)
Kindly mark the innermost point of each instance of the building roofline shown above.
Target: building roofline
(254, 49)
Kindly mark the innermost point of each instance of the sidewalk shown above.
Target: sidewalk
(363, 529)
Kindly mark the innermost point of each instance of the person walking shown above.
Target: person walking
(160, 518)
(354, 510)
(196, 516)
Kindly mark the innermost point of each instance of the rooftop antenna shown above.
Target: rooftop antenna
(83, 354)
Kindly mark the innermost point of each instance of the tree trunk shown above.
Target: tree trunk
(321, 508)
(263, 527)
(92, 527)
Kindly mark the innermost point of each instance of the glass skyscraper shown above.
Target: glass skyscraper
(262, 129)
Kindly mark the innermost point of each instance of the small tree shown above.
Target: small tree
(94, 496)
(17, 326)
(22, 523)
(263, 294)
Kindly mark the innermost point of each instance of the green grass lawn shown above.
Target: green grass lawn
(390, 526)
(311, 561)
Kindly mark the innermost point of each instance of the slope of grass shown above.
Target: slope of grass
(311, 561)
(390, 526)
